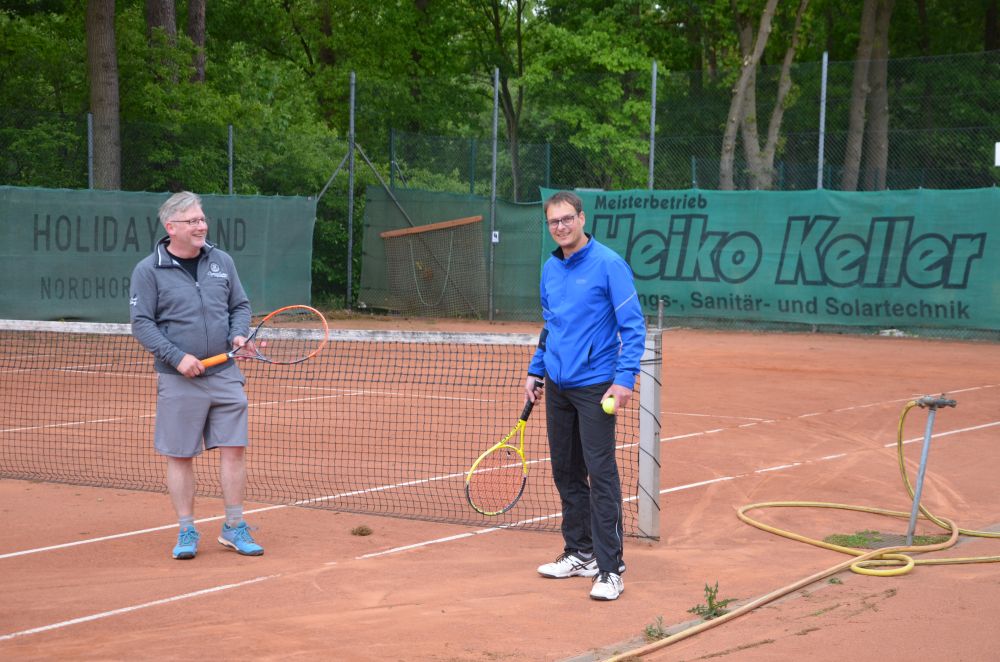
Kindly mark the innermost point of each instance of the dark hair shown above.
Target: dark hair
(568, 197)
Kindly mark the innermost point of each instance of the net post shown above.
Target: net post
(649, 436)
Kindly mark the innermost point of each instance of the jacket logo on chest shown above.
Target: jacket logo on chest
(215, 271)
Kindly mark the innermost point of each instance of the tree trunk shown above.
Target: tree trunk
(196, 32)
(923, 29)
(991, 27)
(859, 98)
(510, 104)
(160, 14)
(877, 145)
(513, 139)
(734, 119)
(748, 121)
(765, 174)
(694, 35)
(102, 69)
(161, 32)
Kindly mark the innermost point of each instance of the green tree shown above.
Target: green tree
(589, 80)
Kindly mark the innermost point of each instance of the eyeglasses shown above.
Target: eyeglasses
(563, 221)
(191, 222)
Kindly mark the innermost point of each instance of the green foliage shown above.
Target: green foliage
(577, 73)
(656, 631)
(869, 539)
(43, 96)
(713, 607)
(859, 539)
(603, 102)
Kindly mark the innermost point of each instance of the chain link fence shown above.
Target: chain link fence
(446, 136)
(942, 125)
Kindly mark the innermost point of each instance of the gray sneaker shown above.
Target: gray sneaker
(607, 586)
(569, 565)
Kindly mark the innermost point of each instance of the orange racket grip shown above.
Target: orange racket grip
(215, 360)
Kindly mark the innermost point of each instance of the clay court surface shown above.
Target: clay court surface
(746, 418)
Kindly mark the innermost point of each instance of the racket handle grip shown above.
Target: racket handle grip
(526, 412)
(215, 360)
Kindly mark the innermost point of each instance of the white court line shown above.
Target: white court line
(382, 488)
(415, 545)
(696, 415)
(270, 403)
(778, 467)
(125, 610)
(946, 434)
(49, 426)
(126, 534)
(667, 490)
(454, 475)
(397, 550)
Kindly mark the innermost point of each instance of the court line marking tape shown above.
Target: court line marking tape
(339, 393)
(125, 610)
(435, 478)
(403, 548)
(396, 550)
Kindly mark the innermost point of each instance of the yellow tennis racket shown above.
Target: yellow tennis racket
(496, 480)
(286, 336)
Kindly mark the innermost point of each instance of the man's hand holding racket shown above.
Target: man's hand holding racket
(191, 366)
(533, 388)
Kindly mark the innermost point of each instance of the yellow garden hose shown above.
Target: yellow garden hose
(883, 562)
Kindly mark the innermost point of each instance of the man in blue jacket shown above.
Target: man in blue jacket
(186, 302)
(589, 350)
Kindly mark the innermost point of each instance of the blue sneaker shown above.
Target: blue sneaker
(239, 538)
(187, 543)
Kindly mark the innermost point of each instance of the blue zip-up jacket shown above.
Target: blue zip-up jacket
(173, 315)
(594, 327)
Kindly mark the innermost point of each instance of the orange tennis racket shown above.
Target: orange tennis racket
(289, 335)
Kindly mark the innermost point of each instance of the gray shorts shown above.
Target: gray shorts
(210, 409)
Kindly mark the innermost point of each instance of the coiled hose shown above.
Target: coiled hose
(882, 562)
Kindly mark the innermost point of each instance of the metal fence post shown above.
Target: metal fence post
(472, 166)
(652, 129)
(548, 165)
(493, 183)
(230, 159)
(649, 436)
(392, 158)
(350, 203)
(822, 121)
(90, 150)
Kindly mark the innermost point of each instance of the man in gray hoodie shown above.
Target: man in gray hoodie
(186, 301)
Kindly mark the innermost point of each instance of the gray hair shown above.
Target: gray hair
(568, 197)
(177, 203)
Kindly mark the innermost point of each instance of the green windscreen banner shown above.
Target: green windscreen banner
(69, 254)
(888, 259)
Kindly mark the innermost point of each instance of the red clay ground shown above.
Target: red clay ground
(747, 418)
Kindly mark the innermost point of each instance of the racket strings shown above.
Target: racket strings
(497, 481)
(281, 337)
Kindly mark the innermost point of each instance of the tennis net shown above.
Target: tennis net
(379, 422)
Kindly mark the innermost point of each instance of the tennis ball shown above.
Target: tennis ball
(608, 404)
